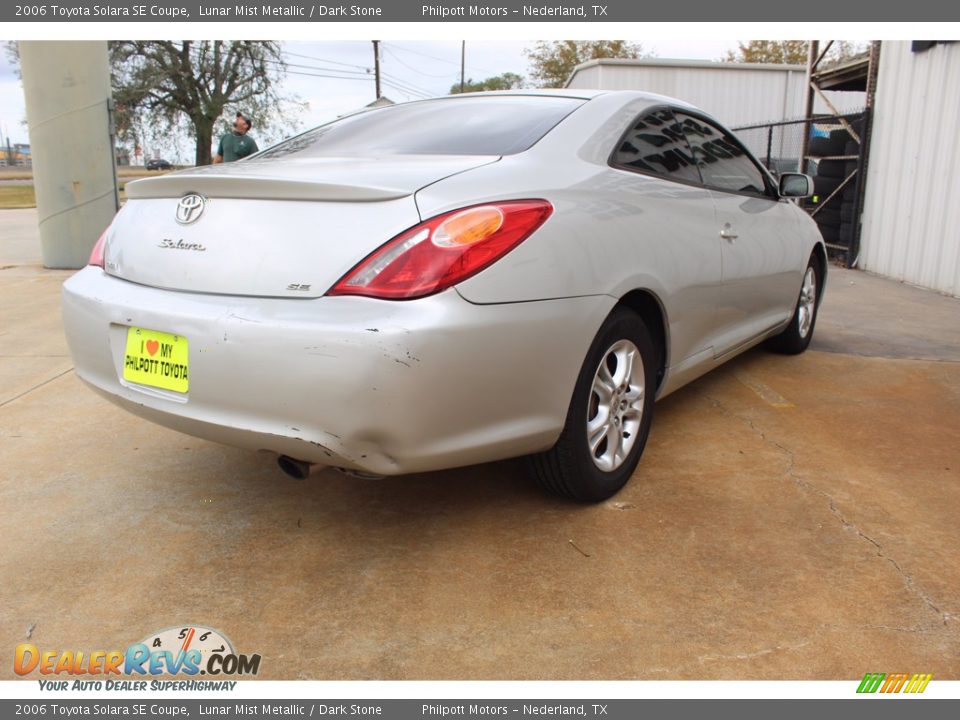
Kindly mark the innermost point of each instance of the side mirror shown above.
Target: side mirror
(796, 185)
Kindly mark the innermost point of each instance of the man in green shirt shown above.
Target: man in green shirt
(236, 145)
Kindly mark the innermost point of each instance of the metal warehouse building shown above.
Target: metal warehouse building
(908, 181)
(911, 212)
(735, 93)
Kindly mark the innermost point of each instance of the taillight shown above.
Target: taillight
(444, 250)
(96, 255)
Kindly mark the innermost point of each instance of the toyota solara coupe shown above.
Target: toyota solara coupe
(449, 282)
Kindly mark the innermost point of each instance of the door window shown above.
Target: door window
(723, 162)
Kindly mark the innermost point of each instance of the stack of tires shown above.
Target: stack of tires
(836, 218)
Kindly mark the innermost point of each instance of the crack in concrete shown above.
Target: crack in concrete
(36, 387)
(790, 473)
(907, 577)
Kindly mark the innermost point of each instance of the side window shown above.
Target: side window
(723, 162)
(655, 144)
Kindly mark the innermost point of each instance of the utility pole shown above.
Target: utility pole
(376, 65)
(813, 52)
(66, 86)
(463, 61)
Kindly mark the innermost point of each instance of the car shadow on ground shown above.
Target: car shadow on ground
(466, 490)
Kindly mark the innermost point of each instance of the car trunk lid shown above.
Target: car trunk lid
(283, 228)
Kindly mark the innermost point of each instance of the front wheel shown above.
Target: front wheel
(609, 416)
(796, 337)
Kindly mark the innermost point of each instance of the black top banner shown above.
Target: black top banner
(825, 11)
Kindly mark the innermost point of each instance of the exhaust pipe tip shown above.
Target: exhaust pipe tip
(297, 469)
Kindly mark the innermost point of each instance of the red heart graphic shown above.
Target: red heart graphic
(152, 347)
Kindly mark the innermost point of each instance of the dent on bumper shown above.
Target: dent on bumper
(379, 386)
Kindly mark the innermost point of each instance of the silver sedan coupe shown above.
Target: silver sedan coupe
(449, 282)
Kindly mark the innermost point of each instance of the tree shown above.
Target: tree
(842, 50)
(194, 81)
(780, 52)
(553, 62)
(505, 81)
(791, 52)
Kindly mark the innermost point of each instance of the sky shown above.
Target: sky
(410, 70)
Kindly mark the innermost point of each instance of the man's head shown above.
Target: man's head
(241, 124)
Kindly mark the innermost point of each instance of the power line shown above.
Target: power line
(284, 63)
(332, 62)
(393, 82)
(315, 71)
(423, 54)
(323, 69)
(407, 91)
(410, 67)
(404, 86)
(440, 59)
(332, 77)
(404, 91)
(414, 89)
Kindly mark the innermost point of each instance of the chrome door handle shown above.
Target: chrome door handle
(728, 234)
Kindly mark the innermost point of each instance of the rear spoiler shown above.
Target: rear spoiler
(263, 187)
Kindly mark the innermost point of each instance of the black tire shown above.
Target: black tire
(846, 212)
(568, 468)
(828, 217)
(846, 233)
(826, 146)
(852, 147)
(791, 341)
(823, 186)
(830, 233)
(832, 168)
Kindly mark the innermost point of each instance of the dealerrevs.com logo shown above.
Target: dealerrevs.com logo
(191, 650)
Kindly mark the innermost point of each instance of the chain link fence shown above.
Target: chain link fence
(832, 150)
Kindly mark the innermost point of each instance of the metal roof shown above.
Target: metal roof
(846, 75)
(688, 64)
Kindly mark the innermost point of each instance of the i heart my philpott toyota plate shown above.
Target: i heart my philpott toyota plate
(157, 359)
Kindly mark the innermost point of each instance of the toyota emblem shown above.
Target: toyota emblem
(190, 208)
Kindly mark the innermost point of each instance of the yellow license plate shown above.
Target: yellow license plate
(157, 359)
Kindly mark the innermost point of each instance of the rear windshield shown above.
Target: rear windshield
(498, 125)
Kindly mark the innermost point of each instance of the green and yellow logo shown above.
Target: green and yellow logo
(894, 682)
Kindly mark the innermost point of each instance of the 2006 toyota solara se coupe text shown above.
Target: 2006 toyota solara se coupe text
(449, 282)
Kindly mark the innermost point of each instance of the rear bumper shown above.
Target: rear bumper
(382, 387)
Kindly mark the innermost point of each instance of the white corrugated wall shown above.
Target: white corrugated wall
(735, 94)
(911, 216)
(587, 79)
(732, 95)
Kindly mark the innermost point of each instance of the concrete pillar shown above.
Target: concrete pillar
(66, 86)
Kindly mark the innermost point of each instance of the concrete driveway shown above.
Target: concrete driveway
(792, 518)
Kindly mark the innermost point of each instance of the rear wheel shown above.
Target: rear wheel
(608, 420)
(795, 339)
